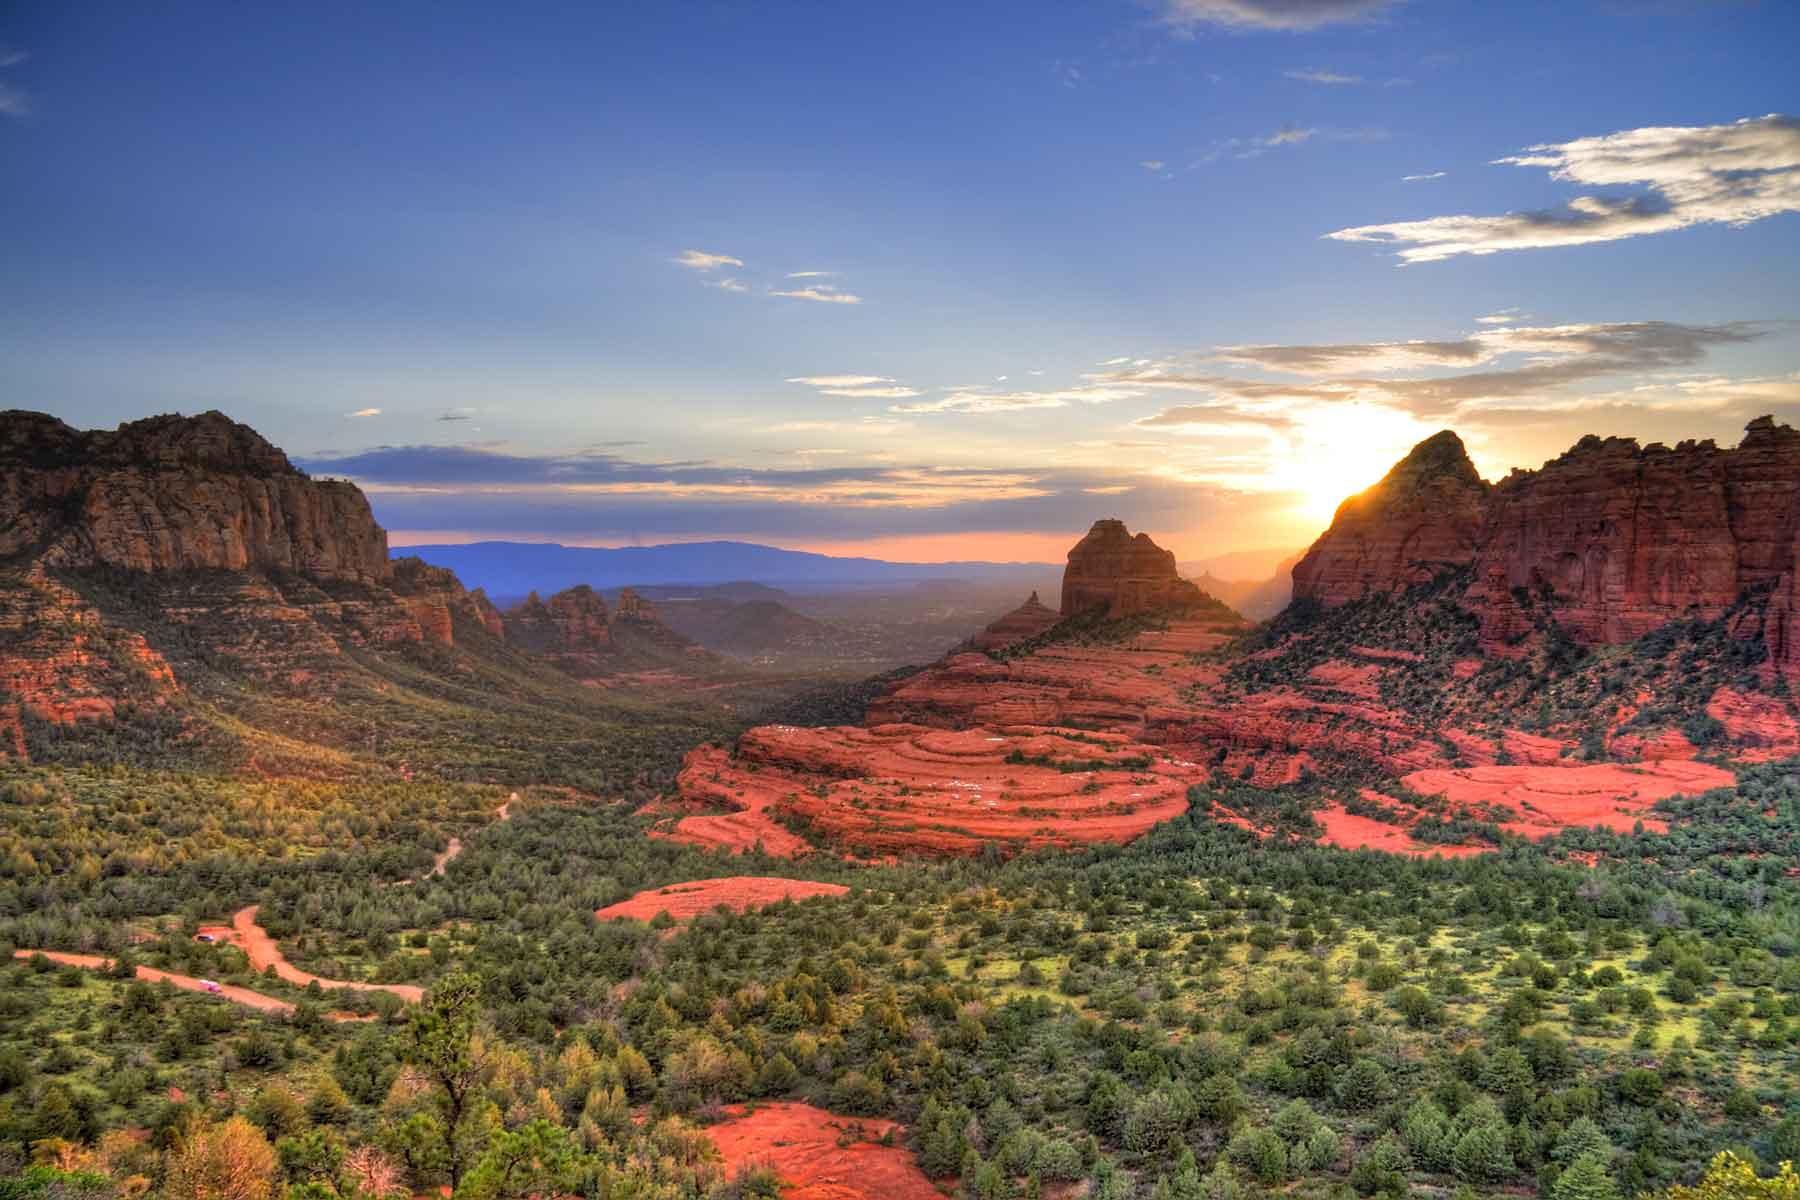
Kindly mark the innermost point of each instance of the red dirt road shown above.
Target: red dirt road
(801, 1143)
(684, 901)
(254, 940)
(236, 995)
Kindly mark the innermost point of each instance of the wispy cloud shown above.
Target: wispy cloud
(457, 414)
(819, 293)
(1506, 316)
(1686, 175)
(702, 260)
(1288, 137)
(1319, 75)
(989, 400)
(810, 274)
(12, 58)
(728, 284)
(839, 381)
(14, 102)
(1422, 178)
(1288, 15)
(1517, 363)
(1153, 164)
(857, 387)
(365, 412)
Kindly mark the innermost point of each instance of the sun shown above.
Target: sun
(1341, 452)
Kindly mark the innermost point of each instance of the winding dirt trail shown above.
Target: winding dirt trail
(264, 952)
(455, 847)
(237, 995)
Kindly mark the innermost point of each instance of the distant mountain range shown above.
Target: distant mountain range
(507, 569)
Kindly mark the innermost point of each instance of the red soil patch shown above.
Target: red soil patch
(1353, 832)
(1611, 795)
(739, 893)
(254, 941)
(800, 1143)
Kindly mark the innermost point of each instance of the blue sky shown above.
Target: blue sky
(522, 273)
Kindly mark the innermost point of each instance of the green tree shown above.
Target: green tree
(441, 1037)
(1586, 1178)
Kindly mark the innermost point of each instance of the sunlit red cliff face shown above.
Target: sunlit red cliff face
(1049, 737)
(1611, 541)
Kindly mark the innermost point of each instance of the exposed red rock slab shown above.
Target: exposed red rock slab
(900, 788)
(1652, 747)
(739, 893)
(1611, 795)
(801, 1144)
(1533, 750)
(1362, 680)
(263, 952)
(1353, 832)
(1763, 723)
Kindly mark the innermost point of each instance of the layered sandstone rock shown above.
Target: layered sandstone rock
(1113, 571)
(1422, 518)
(174, 493)
(1609, 541)
(436, 600)
(1026, 621)
(194, 523)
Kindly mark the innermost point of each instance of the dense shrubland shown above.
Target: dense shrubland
(1188, 1016)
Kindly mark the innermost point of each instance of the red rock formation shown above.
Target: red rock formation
(1026, 621)
(1112, 570)
(633, 607)
(1422, 518)
(1610, 541)
(172, 493)
(570, 623)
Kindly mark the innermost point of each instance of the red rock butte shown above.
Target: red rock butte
(1021, 624)
(1111, 570)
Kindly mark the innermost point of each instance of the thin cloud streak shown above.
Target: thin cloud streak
(1711, 174)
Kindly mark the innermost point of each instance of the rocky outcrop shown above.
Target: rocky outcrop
(572, 622)
(633, 607)
(1111, 570)
(1026, 621)
(436, 600)
(1609, 541)
(196, 525)
(177, 493)
(1422, 518)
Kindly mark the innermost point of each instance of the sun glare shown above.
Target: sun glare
(1345, 451)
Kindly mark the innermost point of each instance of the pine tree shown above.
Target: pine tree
(1585, 1179)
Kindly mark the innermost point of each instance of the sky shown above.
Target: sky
(925, 281)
